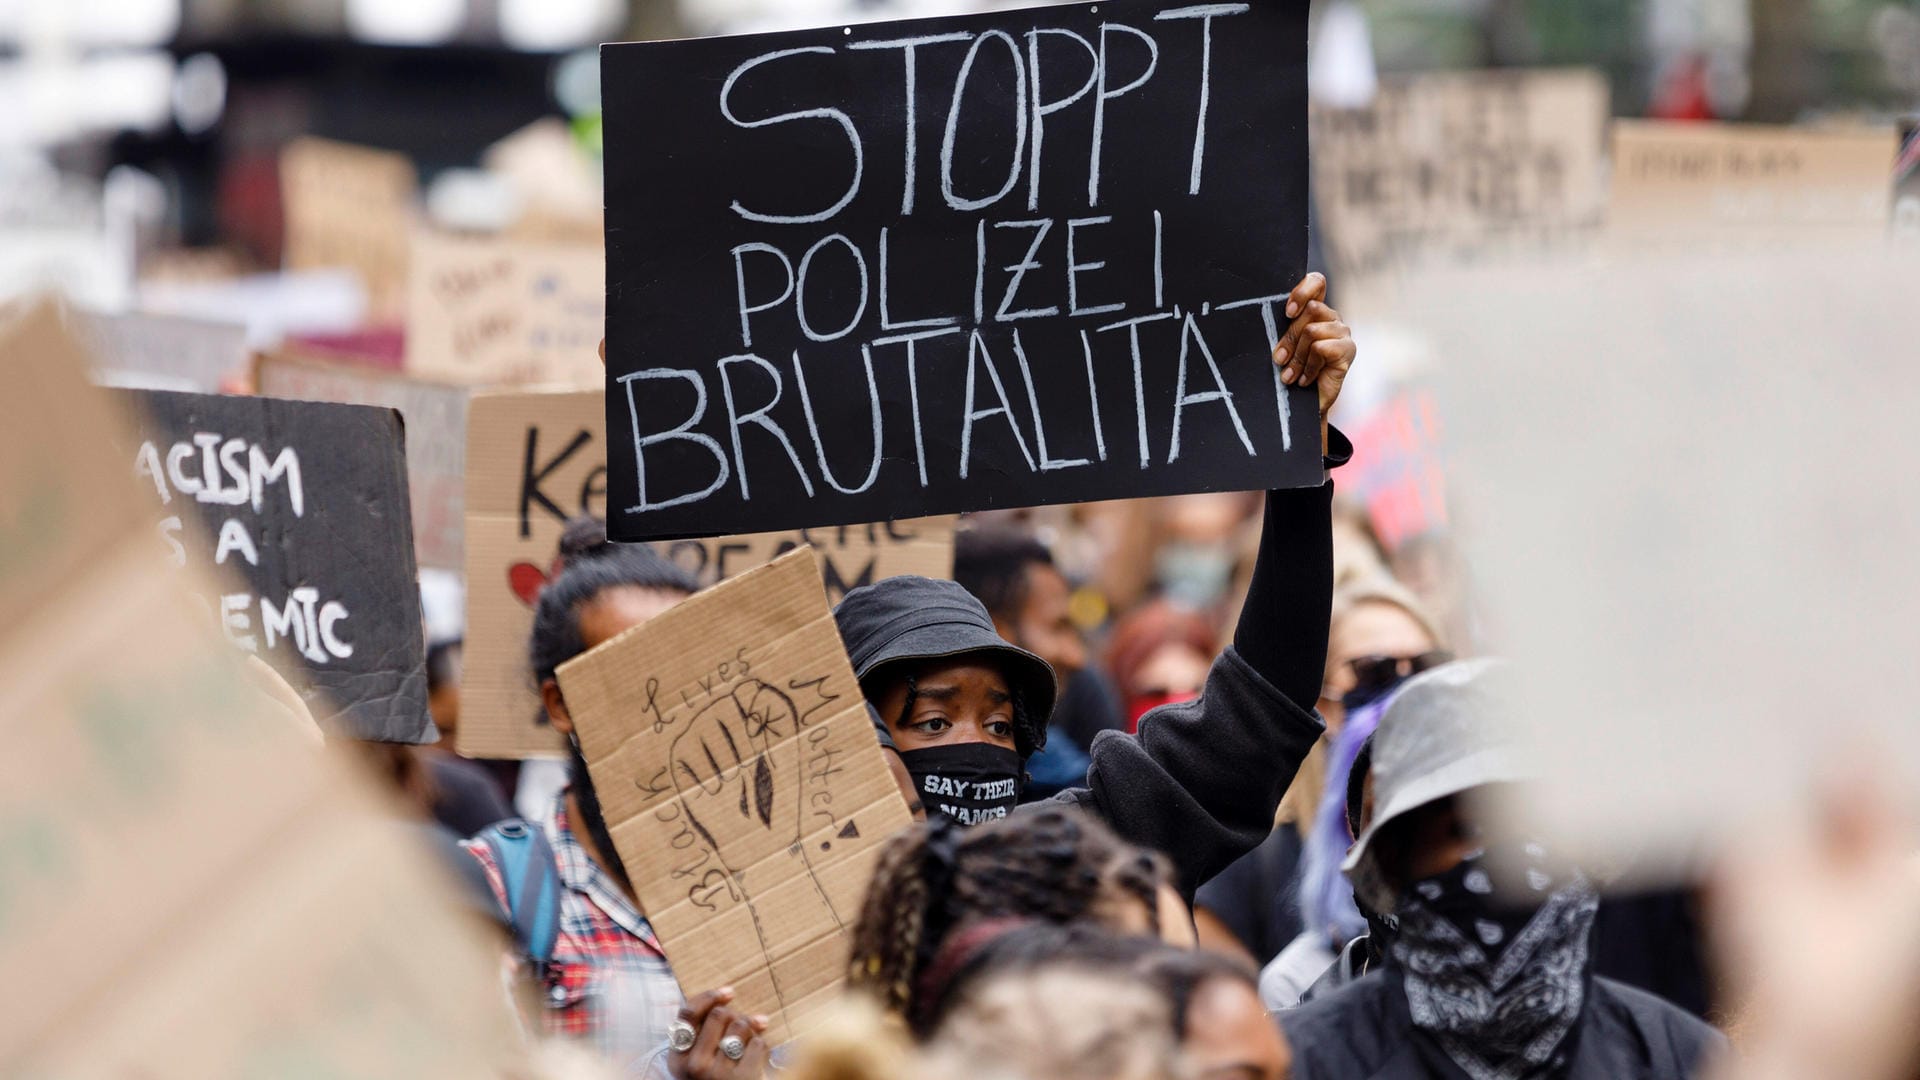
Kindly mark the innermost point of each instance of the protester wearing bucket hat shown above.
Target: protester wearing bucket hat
(1199, 783)
(1489, 974)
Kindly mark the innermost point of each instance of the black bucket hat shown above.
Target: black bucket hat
(901, 619)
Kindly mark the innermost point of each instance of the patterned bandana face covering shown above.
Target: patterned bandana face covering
(1499, 983)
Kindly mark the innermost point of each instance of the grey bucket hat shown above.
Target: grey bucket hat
(914, 618)
(1443, 733)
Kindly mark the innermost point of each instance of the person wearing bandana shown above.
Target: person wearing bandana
(964, 709)
(1488, 972)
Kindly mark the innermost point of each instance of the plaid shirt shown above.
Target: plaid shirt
(608, 981)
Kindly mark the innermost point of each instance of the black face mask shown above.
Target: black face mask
(968, 782)
(1380, 929)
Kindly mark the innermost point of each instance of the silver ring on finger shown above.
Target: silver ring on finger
(734, 1047)
(680, 1036)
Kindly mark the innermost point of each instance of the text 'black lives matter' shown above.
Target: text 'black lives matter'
(302, 507)
(898, 269)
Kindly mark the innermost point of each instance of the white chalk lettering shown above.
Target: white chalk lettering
(1139, 392)
(261, 472)
(1206, 13)
(835, 115)
(800, 290)
(907, 47)
(747, 311)
(1019, 270)
(234, 620)
(977, 351)
(1047, 462)
(1267, 320)
(813, 425)
(233, 537)
(913, 387)
(146, 462)
(331, 614)
(1042, 108)
(1190, 334)
(1105, 95)
(735, 421)
(953, 123)
(683, 433)
(886, 317)
(1074, 267)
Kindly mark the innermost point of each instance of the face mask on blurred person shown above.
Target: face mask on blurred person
(1140, 705)
(968, 782)
(1196, 575)
(1497, 977)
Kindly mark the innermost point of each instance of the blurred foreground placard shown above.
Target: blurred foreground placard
(436, 428)
(743, 785)
(1460, 166)
(1695, 525)
(1679, 186)
(166, 834)
(537, 459)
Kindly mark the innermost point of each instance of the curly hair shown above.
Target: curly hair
(1054, 865)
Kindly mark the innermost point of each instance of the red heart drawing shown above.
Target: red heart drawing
(526, 580)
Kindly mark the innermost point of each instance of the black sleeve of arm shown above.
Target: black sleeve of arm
(1283, 626)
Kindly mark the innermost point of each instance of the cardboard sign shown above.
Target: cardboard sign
(436, 429)
(537, 459)
(743, 785)
(1454, 167)
(1747, 186)
(1739, 537)
(349, 206)
(941, 265)
(486, 312)
(162, 352)
(165, 836)
(307, 503)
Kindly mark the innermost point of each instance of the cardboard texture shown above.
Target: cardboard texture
(502, 312)
(162, 352)
(536, 459)
(307, 503)
(1682, 186)
(1698, 547)
(166, 836)
(743, 785)
(821, 310)
(1458, 167)
(436, 432)
(349, 206)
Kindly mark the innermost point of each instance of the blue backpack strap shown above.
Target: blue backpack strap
(532, 885)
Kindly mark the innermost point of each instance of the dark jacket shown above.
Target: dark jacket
(1365, 1032)
(1202, 779)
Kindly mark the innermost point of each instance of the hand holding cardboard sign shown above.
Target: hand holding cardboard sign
(713, 1022)
(1317, 348)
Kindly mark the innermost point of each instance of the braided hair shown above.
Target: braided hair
(1054, 865)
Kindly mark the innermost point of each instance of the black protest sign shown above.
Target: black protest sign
(913, 268)
(301, 508)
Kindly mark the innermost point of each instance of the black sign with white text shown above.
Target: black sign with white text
(301, 508)
(898, 269)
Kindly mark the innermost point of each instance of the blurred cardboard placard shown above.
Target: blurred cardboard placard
(165, 834)
(306, 504)
(558, 183)
(743, 785)
(536, 459)
(162, 352)
(503, 312)
(349, 206)
(1906, 183)
(1457, 167)
(1696, 539)
(436, 432)
(1677, 186)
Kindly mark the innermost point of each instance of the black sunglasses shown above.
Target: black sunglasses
(1375, 675)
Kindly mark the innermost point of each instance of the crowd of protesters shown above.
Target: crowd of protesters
(1225, 822)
